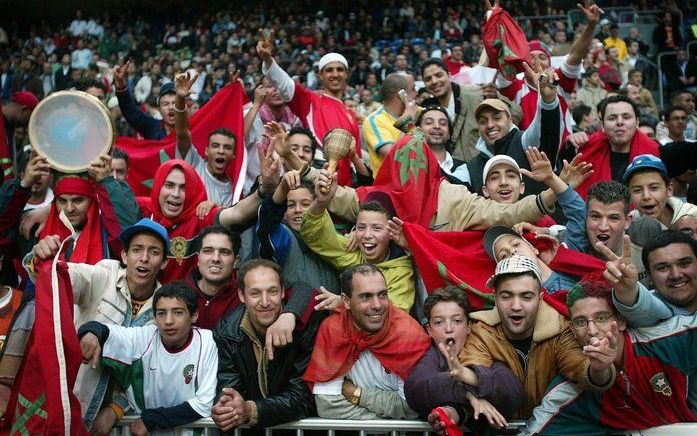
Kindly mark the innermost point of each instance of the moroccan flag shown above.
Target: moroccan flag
(42, 399)
(505, 43)
(223, 110)
(459, 258)
(411, 175)
(5, 161)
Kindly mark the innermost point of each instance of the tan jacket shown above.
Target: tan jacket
(554, 351)
(458, 209)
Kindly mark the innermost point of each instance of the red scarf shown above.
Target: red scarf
(597, 152)
(398, 346)
(89, 247)
(411, 175)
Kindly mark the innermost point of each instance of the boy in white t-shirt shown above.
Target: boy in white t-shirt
(168, 370)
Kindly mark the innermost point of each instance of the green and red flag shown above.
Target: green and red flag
(42, 399)
(505, 44)
(223, 110)
(411, 175)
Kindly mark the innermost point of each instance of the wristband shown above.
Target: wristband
(181, 111)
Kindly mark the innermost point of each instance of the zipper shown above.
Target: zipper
(628, 389)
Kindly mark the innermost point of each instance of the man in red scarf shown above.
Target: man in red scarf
(13, 113)
(365, 352)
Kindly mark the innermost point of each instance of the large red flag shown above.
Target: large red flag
(459, 258)
(42, 399)
(411, 175)
(505, 43)
(223, 110)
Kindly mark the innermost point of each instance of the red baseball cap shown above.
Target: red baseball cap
(25, 98)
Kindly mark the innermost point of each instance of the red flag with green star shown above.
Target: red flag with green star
(505, 43)
(411, 175)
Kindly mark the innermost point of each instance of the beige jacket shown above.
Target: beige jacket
(458, 209)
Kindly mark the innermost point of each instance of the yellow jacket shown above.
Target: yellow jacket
(319, 234)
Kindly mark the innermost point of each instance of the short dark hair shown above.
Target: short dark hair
(375, 206)
(668, 112)
(253, 264)
(579, 112)
(609, 192)
(531, 274)
(181, 291)
(232, 236)
(616, 99)
(392, 84)
(666, 238)
(447, 294)
(94, 84)
(225, 132)
(433, 61)
(300, 130)
(674, 96)
(363, 269)
(120, 154)
(634, 71)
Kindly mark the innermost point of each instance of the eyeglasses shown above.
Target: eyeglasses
(599, 320)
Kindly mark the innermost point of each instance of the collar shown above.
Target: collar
(447, 163)
(549, 322)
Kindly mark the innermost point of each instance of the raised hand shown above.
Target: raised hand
(183, 83)
(260, 94)
(457, 370)
(278, 139)
(547, 80)
(577, 140)
(270, 166)
(525, 227)
(395, 228)
(265, 46)
(325, 187)
(620, 271)
(119, 73)
(327, 300)
(592, 13)
(576, 171)
(291, 180)
(540, 166)
(100, 168)
(36, 168)
(48, 247)
(204, 208)
(602, 352)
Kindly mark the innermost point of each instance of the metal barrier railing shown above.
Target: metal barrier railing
(393, 426)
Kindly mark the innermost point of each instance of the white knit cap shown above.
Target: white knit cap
(332, 57)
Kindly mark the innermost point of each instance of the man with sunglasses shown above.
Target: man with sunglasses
(652, 363)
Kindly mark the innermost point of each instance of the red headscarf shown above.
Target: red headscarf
(398, 346)
(597, 152)
(195, 194)
(89, 247)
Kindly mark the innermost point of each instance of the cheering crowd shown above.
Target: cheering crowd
(519, 247)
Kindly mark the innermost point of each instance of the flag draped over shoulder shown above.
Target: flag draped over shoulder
(459, 259)
(505, 43)
(42, 399)
(411, 175)
(223, 110)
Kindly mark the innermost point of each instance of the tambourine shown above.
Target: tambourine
(71, 129)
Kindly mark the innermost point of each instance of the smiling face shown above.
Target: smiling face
(437, 81)
(509, 245)
(144, 258)
(448, 322)
(173, 193)
(606, 223)
(333, 78)
(436, 127)
(620, 124)
(503, 184)
(263, 297)
(216, 259)
(219, 153)
(75, 208)
(174, 321)
(493, 125)
(649, 193)
(674, 273)
(372, 235)
(517, 298)
(368, 302)
(298, 201)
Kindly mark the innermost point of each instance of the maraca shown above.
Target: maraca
(337, 144)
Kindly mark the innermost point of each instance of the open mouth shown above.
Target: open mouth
(678, 284)
(220, 160)
(215, 269)
(603, 237)
(368, 248)
(649, 210)
(142, 272)
(517, 319)
(450, 342)
(173, 205)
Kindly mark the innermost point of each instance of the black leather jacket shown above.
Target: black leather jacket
(289, 398)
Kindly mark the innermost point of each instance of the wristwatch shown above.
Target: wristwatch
(355, 398)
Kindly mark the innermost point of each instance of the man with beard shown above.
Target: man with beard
(113, 294)
(147, 126)
(219, 152)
